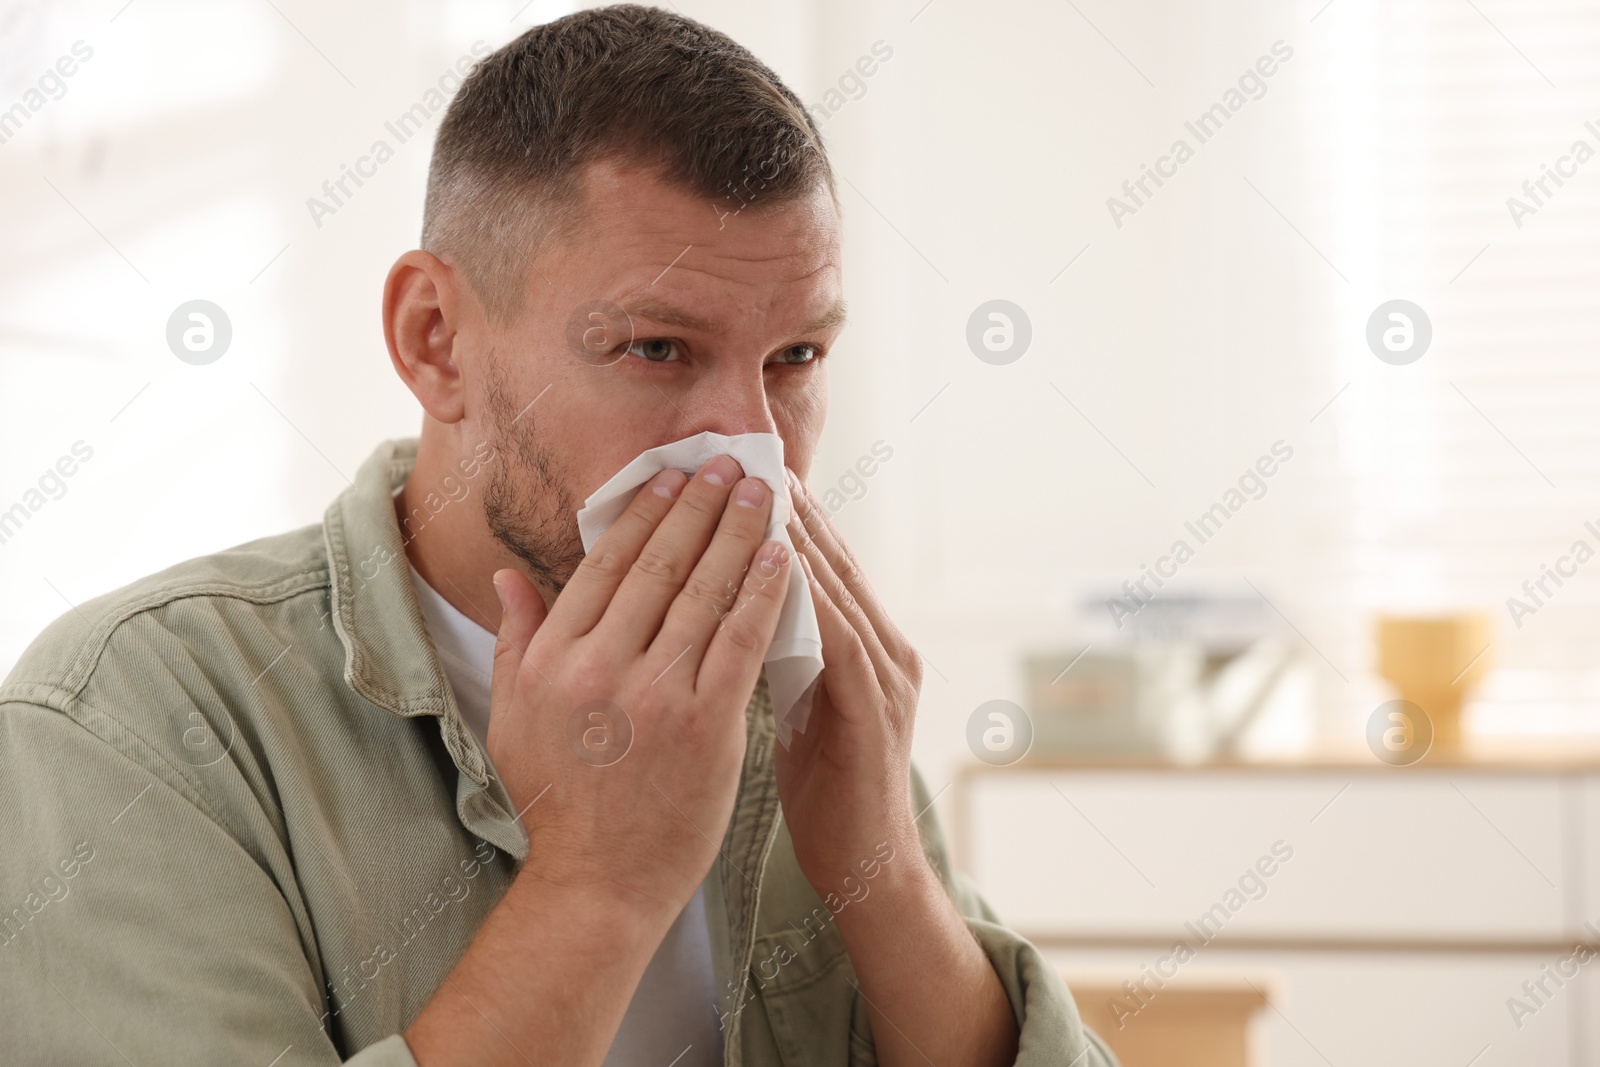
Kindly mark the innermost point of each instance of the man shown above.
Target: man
(426, 783)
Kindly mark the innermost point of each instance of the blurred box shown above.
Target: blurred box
(1142, 701)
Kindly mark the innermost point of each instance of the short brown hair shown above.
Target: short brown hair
(630, 82)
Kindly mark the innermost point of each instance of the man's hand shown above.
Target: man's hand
(845, 783)
(845, 786)
(648, 636)
(617, 725)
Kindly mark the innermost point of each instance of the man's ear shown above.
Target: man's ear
(425, 302)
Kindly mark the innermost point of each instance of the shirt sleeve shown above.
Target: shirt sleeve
(1050, 1031)
(137, 926)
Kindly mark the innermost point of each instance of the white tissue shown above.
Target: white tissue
(794, 660)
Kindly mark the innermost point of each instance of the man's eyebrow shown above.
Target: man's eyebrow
(668, 315)
(833, 318)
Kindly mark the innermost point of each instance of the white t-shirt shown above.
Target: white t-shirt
(674, 1010)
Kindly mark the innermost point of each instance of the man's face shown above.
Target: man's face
(727, 316)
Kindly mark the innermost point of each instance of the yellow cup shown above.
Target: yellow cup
(1435, 661)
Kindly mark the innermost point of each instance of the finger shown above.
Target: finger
(522, 613)
(740, 641)
(636, 612)
(710, 593)
(583, 602)
(828, 592)
(818, 528)
(842, 651)
(812, 520)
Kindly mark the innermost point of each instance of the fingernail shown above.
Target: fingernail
(775, 554)
(750, 493)
(668, 483)
(721, 470)
(805, 565)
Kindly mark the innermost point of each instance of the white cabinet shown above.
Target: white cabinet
(1396, 910)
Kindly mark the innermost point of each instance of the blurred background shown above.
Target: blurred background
(1219, 414)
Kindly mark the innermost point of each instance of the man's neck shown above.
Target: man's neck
(445, 535)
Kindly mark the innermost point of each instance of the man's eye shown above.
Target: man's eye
(656, 350)
(798, 355)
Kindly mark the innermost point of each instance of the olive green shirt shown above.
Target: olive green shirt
(246, 824)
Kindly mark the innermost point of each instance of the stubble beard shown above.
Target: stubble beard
(526, 503)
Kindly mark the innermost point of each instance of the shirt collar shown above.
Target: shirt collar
(465, 651)
(389, 659)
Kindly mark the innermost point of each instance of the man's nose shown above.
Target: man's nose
(730, 405)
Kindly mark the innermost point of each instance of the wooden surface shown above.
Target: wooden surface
(1182, 1024)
